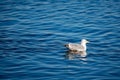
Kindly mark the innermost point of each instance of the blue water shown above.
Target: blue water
(33, 34)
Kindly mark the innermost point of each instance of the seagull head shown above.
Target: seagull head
(84, 41)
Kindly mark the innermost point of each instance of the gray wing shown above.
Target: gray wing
(73, 46)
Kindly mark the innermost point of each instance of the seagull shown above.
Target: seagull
(78, 47)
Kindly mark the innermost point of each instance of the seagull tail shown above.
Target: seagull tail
(66, 45)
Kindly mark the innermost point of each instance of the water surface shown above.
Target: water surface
(33, 34)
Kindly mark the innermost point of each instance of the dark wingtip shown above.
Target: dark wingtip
(66, 45)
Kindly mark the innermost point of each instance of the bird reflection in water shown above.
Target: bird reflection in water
(72, 54)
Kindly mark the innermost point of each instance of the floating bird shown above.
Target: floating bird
(78, 47)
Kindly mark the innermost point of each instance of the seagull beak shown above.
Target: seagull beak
(88, 41)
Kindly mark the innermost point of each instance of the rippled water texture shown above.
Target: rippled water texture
(33, 34)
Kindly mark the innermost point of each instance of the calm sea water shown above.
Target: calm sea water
(33, 34)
